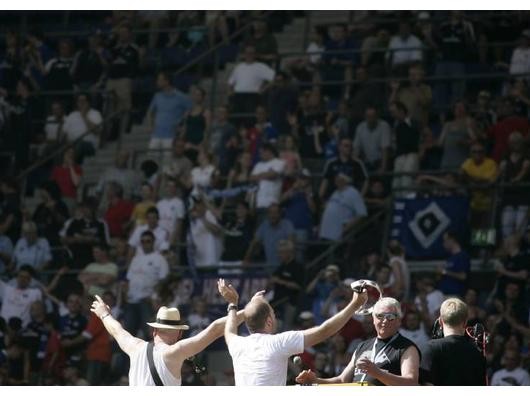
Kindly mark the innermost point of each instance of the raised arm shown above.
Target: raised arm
(232, 297)
(331, 326)
(125, 340)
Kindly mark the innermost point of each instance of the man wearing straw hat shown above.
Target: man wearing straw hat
(159, 362)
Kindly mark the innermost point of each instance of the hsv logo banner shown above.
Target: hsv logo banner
(419, 224)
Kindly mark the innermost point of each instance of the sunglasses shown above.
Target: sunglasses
(387, 316)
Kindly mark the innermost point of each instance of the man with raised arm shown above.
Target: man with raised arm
(387, 359)
(168, 350)
(261, 358)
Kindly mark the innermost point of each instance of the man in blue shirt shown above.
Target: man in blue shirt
(165, 113)
(455, 273)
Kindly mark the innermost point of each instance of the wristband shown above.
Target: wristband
(231, 307)
(104, 316)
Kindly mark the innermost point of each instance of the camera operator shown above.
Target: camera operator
(453, 359)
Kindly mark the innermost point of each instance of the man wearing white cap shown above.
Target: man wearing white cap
(159, 362)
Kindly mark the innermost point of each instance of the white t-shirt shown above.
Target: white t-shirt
(161, 239)
(201, 177)
(248, 77)
(434, 301)
(144, 273)
(517, 377)
(207, 247)
(269, 190)
(404, 51)
(75, 126)
(261, 359)
(169, 211)
(17, 302)
(51, 128)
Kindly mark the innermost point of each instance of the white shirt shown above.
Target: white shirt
(269, 190)
(434, 301)
(51, 128)
(261, 359)
(201, 177)
(161, 239)
(412, 43)
(169, 211)
(517, 377)
(520, 62)
(315, 52)
(418, 337)
(75, 126)
(144, 273)
(248, 77)
(139, 373)
(17, 302)
(35, 254)
(207, 247)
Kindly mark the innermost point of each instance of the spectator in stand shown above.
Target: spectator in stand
(286, 282)
(89, 65)
(143, 275)
(366, 92)
(373, 51)
(238, 235)
(71, 324)
(18, 297)
(199, 319)
(152, 225)
(179, 166)
(79, 122)
(139, 213)
(118, 210)
(123, 62)
(483, 112)
(513, 169)
(57, 71)
(264, 43)
(272, 230)
(480, 172)
(10, 213)
(220, 133)
(202, 177)
(414, 329)
(119, 173)
(165, 113)
(454, 274)
(327, 280)
(31, 250)
(513, 268)
(508, 123)
(309, 124)
(38, 53)
(344, 163)
(456, 137)
(415, 95)
(51, 213)
(520, 61)
(372, 141)
(282, 98)
(82, 233)
(262, 132)
(290, 156)
(404, 48)
(36, 335)
(455, 41)
(300, 208)
(338, 61)
(268, 174)
(68, 177)
(428, 299)
(400, 270)
(511, 374)
(100, 275)
(196, 124)
(407, 135)
(518, 91)
(204, 235)
(6, 253)
(53, 128)
(343, 210)
(247, 81)
(240, 175)
(171, 211)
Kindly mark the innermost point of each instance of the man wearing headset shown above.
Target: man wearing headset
(387, 359)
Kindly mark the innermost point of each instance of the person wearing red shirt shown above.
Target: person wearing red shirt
(68, 176)
(118, 211)
(501, 131)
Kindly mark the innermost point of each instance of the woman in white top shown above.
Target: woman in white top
(202, 176)
(400, 277)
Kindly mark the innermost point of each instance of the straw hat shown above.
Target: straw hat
(168, 318)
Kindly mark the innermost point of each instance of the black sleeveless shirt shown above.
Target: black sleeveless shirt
(387, 353)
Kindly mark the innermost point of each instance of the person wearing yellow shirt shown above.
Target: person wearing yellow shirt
(139, 214)
(479, 171)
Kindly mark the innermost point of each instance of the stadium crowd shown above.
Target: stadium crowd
(235, 190)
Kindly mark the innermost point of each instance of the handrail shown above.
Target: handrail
(66, 145)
